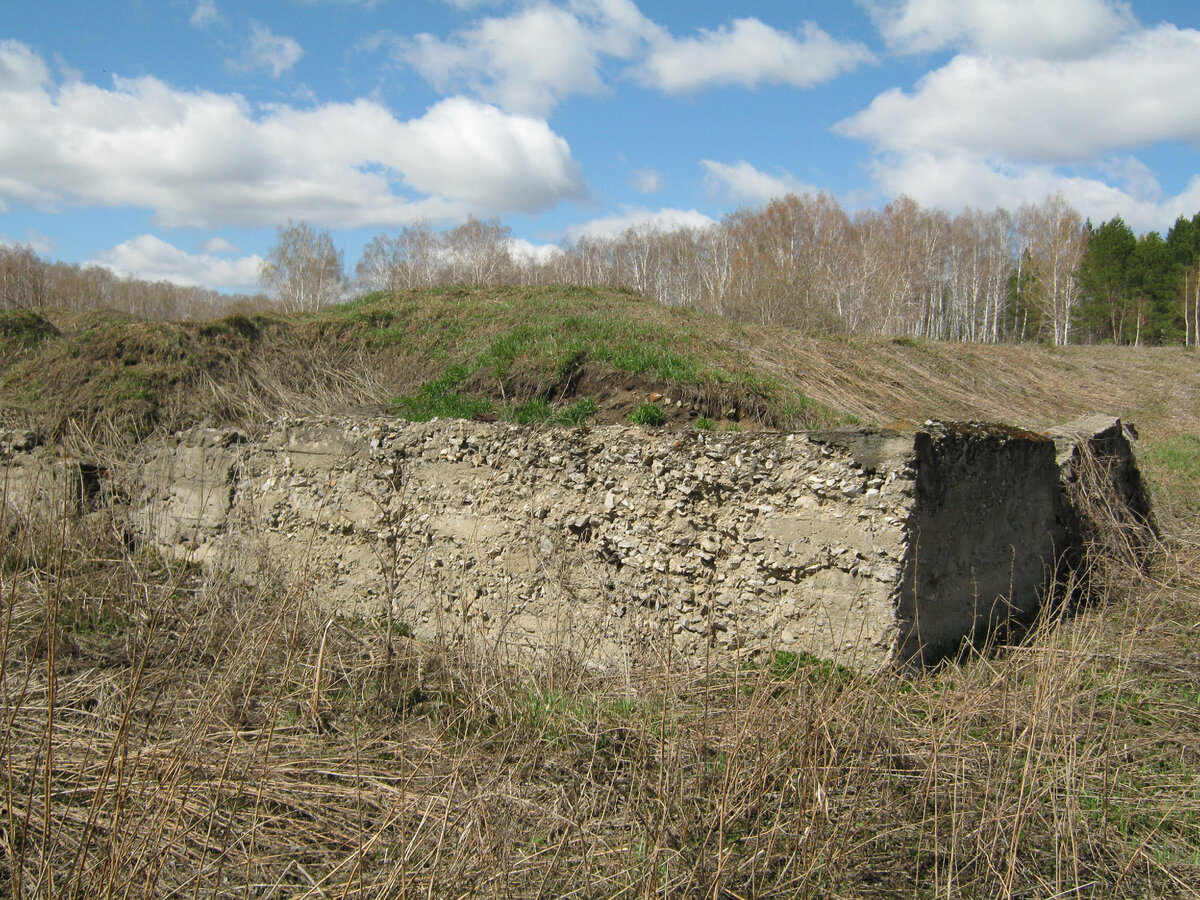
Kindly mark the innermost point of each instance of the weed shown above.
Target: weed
(788, 664)
(532, 413)
(648, 414)
(703, 423)
(22, 329)
(441, 399)
(576, 414)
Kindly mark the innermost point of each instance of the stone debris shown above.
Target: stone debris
(874, 548)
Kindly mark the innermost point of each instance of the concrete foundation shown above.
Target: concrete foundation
(874, 548)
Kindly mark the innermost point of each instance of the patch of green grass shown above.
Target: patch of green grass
(102, 622)
(238, 325)
(505, 349)
(787, 665)
(648, 414)
(441, 399)
(23, 329)
(576, 414)
(532, 413)
(136, 386)
(703, 423)
(1172, 467)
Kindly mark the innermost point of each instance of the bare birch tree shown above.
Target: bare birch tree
(303, 270)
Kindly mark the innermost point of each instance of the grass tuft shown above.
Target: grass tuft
(648, 414)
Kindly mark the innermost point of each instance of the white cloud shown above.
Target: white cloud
(640, 219)
(481, 157)
(265, 50)
(1143, 89)
(527, 62)
(526, 251)
(743, 183)
(218, 245)
(956, 180)
(646, 181)
(534, 58)
(992, 130)
(153, 259)
(618, 28)
(41, 244)
(205, 14)
(749, 53)
(205, 159)
(20, 68)
(1054, 29)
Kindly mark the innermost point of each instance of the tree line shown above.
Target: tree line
(1141, 289)
(29, 282)
(1042, 273)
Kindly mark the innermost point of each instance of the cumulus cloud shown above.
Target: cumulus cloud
(1054, 29)
(1143, 89)
(265, 50)
(954, 180)
(528, 61)
(743, 183)
(646, 181)
(534, 58)
(749, 53)
(20, 67)
(205, 14)
(537, 254)
(639, 219)
(998, 130)
(153, 259)
(218, 245)
(203, 159)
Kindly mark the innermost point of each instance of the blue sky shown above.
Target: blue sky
(169, 138)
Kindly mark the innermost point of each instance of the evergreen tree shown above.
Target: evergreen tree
(1183, 243)
(1106, 309)
(1151, 273)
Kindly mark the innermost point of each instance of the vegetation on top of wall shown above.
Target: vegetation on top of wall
(442, 352)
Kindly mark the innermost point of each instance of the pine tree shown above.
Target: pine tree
(1106, 309)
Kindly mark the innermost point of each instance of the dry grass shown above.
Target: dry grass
(880, 380)
(170, 733)
(166, 732)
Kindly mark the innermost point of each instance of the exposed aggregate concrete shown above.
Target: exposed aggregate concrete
(875, 548)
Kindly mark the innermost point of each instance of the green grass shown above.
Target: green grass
(535, 412)
(576, 414)
(22, 329)
(1172, 467)
(648, 414)
(442, 399)
(513, 340)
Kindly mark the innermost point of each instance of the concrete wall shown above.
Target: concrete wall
(873, 548)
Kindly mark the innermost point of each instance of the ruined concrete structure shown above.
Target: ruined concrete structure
(874, 548)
